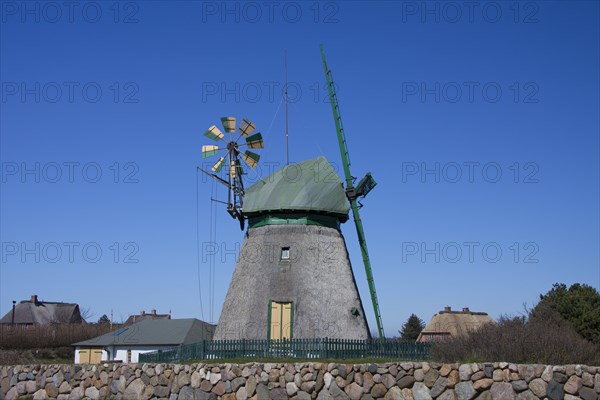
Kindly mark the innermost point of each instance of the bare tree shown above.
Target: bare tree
(86, 313)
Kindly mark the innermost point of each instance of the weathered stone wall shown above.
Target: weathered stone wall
(302, 381)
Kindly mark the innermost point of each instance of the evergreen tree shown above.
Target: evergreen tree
(579, 305)
(103, 319)
(411, 328)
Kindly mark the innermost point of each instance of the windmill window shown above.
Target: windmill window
(285, 253)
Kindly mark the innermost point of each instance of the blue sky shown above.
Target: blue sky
(479, 124)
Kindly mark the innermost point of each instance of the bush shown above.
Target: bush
(57, 355)
(20, 337)
(543, 336)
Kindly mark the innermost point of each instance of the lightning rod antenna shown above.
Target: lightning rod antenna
(287, 151)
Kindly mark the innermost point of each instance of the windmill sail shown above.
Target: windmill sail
(214, 133)
(209, 150)
(250, 158)
(255, 141)
(219, 164)
(233, 157)
(246, 127)
(228, 124)
(367, 184)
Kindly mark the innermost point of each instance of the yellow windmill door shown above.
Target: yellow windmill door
(281, 320)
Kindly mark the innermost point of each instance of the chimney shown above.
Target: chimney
(153, 312)
(447, 309)
(466, 310)
(142, 312)
(34, 298)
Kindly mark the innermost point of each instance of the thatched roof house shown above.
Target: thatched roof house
(143, 316)
(449, 323)
(35, 312)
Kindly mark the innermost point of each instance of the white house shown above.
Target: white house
(127, 343)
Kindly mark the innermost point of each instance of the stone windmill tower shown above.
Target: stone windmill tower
(293, 277)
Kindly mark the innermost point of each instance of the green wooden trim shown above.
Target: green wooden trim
(292, 320)
(294, 219)
(269, 320)
(280, 320)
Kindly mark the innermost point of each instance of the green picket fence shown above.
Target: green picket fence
(295, 348)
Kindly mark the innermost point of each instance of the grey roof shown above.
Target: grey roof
(43, 312)
(170, 332)
(308, 186)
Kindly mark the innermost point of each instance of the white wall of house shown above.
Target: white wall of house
(119, 353)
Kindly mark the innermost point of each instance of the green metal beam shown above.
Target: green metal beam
(352, 198)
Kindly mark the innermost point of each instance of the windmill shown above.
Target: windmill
(293, 277)
(230, 154)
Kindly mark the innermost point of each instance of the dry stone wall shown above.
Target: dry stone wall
(302, 381)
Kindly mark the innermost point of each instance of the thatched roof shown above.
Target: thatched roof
(448, 323)
(143, 316)
(34, 312)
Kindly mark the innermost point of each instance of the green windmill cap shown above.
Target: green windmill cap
(310, 186)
